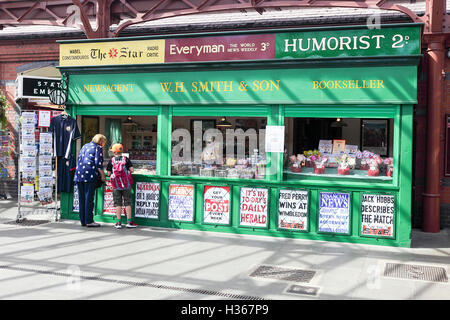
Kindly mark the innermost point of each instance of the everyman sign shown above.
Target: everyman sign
(309, 44)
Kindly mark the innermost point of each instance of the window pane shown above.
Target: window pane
(361, 148)
(226, 147)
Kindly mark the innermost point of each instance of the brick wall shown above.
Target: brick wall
(14, 54)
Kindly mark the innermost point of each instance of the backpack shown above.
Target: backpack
(121, 177)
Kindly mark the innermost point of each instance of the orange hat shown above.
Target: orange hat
(117, 147)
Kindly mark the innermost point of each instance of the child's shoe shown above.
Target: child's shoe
(131, 224)
(118, 225)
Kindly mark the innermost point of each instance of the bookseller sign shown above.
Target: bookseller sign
(377, 215)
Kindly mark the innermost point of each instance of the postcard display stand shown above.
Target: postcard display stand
(37, 168)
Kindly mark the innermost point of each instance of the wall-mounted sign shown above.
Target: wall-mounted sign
(147, 200)
(216, 205)
(253, 207)
(312, 43)
(293, 210)
(334, 212)
(377, 215)
(181, 202)
(274, 138)
(36, 87)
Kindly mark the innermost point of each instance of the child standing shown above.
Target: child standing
(120, 169)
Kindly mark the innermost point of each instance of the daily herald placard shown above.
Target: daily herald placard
(377, 215)
(253, 207)
(293, 210)
(216, 206)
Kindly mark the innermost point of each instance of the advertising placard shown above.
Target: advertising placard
(377, 215)
(108, 201)
(293, 210)
(181, 202)
(147, 200)
(76, 200)
(216, 205)
(334, 212)
(253, 207)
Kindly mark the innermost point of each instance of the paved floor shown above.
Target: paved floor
(62, 260)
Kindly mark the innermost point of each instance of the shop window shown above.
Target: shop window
(360, 148)
(225, 147)
(136, 134)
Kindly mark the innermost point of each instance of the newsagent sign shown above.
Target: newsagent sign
(308, 44)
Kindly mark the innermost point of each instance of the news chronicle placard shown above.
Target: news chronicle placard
(147, 200)
(334, 212)
(181, 202)
(216, 205)
(253, 207)
(293, 210)
(377, 215)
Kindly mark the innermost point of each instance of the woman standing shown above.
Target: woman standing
(89, 166)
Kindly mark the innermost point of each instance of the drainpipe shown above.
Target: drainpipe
(435, 55)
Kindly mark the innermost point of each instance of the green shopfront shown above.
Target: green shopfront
(287, 133)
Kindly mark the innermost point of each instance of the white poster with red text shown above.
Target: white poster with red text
(216, 205)
(253, 207)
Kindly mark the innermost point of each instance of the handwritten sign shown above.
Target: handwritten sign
(293, 210)
(253, 207)
(334, 212)
(216, 205)
(181, 202)
(377, 215)
(147, 200)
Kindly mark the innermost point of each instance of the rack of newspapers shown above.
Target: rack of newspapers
(37, 167)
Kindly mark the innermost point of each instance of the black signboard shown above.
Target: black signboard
(33, 87)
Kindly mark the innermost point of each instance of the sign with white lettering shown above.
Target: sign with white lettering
(216, 205)
(253, 207)
(147, 200)
(36, 87)
(377, 215)
(334, 212)
(181, 202)
(293, 210)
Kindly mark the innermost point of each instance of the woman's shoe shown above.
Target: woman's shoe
(93, 224)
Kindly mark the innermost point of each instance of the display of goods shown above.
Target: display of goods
(344, 172)
(296, 168)
(222, 173)
(206, 172)
(373, 173)
(389, 171)
(319, 170)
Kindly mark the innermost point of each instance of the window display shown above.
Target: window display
(231, 147)
(339, 148)
(136, 134)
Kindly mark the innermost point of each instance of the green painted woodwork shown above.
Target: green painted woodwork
(399, 186)
(368, 85)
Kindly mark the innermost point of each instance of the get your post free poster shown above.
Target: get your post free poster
(253, 207)
(147, 200)
(181, 202)
(216, 206)
(377, 215)
(293, 210)
(334, 212)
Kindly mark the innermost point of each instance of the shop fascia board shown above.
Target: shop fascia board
(304, 63)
